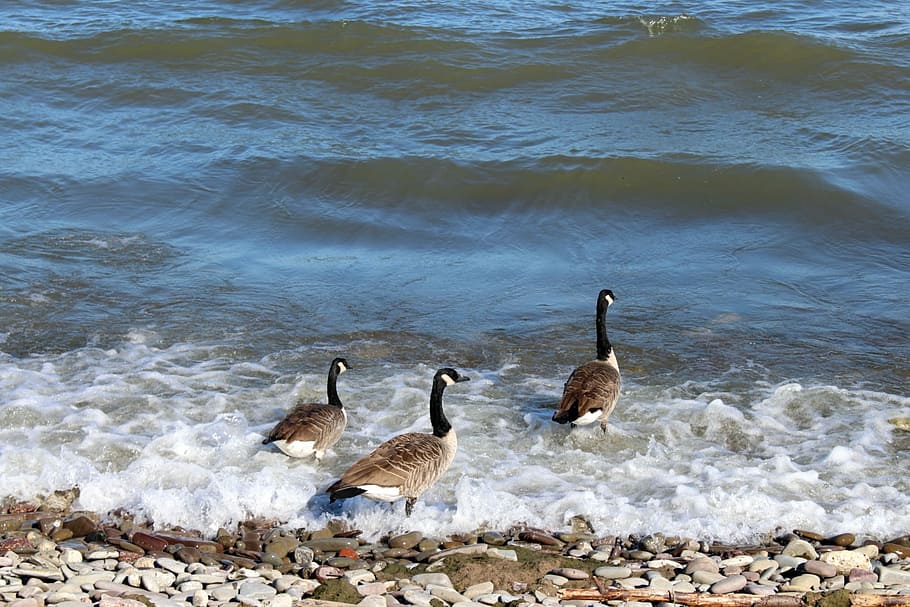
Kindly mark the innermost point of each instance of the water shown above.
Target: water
(203, 205)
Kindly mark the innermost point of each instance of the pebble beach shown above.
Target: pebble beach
(53, 555)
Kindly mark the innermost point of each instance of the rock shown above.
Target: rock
(892, 576)
(733, 583)
(743, 560)
(846, 560)
(406, 540)
(539, 537)
(506, 555)
(472, 592)
(842, 539)
(809, 535)
(898, 549)
(862, 575)
(420, 598)
(373, 600)
(447, 594)
(469, 549)
(820, 568)
(800, 548)
(763, 564)
(702, 564)
(371, 588)
(803, 583)
(436, 579)
(148, 541)
(556, 580)
(331, 544)
(708, 577)
(613, 573)
(359, 576)
(570, 573)
(80, 525)
(256, 591)
(325, 572)
(493, 538)
(200, 598)
(760, 589)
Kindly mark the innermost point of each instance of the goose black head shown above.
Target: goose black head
(607, 296)
(341, 365)
(450, 376)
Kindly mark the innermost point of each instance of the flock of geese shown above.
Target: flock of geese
(408, 464)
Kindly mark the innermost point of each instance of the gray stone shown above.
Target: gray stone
(613, 573)
(437, 579)
(659, 583)
(571, 573)
(707, 577)
(760, 589)
(893, 576)
(255, 590)
(223, 593)
(556, 580)
(468, 549)
(421, 598)
(733, 583)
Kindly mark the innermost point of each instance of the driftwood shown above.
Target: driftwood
(697, 599)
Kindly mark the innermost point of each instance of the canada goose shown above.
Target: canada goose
(592, 390)
(311, 428)
(406, 465)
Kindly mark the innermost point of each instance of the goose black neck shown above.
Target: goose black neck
(330, 388)
(441, 425)
(604, 347)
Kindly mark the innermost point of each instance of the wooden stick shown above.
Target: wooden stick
(696, 599)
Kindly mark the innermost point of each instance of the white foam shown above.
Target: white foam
(173, 434)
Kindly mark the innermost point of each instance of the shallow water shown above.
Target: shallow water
(203, 205)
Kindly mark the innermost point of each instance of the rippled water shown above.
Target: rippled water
(203, 205)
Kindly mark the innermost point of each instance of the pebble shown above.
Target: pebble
(800, 548)
(733, 583)
(803, 583)
(177, 569)
(570, 573)
(820, 568)
(613, 573)
(845, 560)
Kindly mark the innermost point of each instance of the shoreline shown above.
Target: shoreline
(53, 555)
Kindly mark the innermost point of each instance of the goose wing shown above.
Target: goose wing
(410, 462)
(594, 385)
(322, 424)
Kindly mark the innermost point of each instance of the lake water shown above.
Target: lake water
(202, 204)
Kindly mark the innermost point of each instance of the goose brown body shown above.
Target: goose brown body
(591, 392)
(311, 428)
(408, 464)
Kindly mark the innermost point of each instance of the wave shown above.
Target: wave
(341, 50)
(683, 187)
